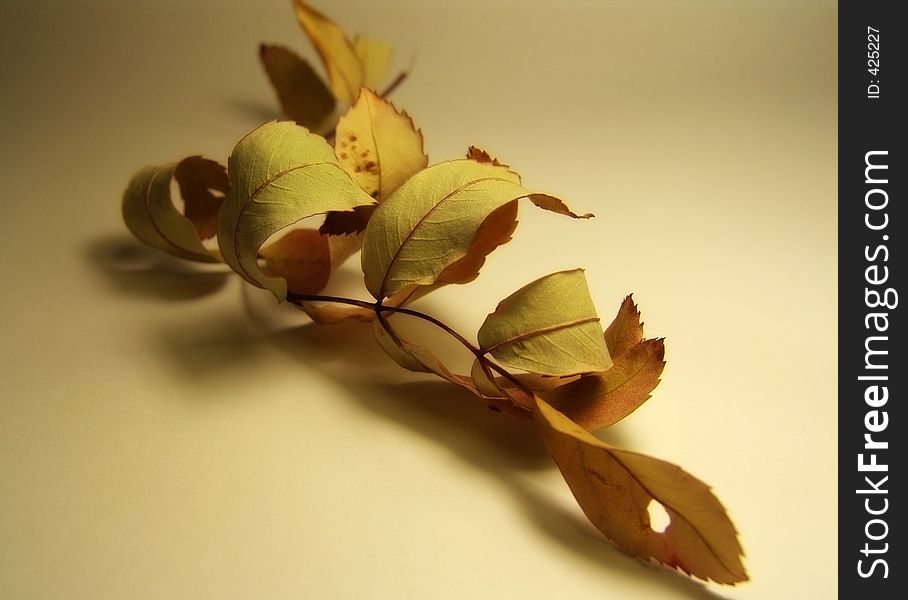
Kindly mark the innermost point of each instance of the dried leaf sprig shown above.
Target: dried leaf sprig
(541, 354)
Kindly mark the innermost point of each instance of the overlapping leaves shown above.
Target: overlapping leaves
(349, 65)
(541, 354)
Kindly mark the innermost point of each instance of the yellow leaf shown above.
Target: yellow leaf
(302, 94)
(431, 222)
(547, 327)
(345, 71)
(602, 399)
(375, 57)
(280, 174)
(306, 259)
(378, 145)
(625, 331)
(616, 488)
(150, 214)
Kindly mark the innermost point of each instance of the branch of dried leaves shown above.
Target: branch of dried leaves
(541, 354)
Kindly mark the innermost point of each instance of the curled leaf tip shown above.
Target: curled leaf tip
(150, 214)
(281, 173)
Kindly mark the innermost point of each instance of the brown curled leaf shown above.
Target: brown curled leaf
(615, 489)
(150, 214)
(302, 94)
(306, 259)
(495, 231)
(347, 222)
(481, 156)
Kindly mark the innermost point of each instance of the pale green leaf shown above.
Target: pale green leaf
(547, 327)
(616, 487)
(150, 214)
(280, 174)
(306, 259)
(432, 220)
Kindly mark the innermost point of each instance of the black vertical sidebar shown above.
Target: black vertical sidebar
(873, 224)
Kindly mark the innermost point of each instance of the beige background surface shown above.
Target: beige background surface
(167, 434)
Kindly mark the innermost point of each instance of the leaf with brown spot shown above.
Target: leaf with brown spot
(306, 259)
(602, 399)
(302, 94)
(615, 487)
(203, 184)
(378, 145)
(625, 331)
(150, 214)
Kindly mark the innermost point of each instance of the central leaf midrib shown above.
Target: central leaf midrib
(540, 331)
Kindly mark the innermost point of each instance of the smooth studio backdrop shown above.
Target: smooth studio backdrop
(166, 433)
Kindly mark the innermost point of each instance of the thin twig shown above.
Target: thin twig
(380, 308)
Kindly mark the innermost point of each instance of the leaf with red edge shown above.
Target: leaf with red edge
(602, 399)
(615, 489)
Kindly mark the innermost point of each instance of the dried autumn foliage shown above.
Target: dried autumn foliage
(541, 354)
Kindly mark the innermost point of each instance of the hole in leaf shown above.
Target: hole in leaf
(659, 520)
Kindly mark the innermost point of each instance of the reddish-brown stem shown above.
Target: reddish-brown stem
(380, 309)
